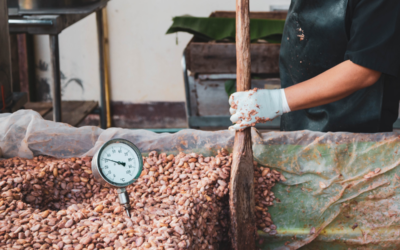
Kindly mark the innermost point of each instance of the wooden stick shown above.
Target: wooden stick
(241, 199)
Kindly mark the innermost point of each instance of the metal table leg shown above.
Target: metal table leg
(5, 59)
(55, 60)
(100, 34)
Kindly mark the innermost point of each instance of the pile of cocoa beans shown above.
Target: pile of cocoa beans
(264, 180)
(179, 202)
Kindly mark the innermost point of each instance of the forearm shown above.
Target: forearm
(330, 86)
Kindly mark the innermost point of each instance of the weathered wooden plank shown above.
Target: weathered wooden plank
(18, 102)
(152, 115)
(209, 58)
(73, 112)
(216, 123)
(41, 107)
(253, 15)
(241, 188)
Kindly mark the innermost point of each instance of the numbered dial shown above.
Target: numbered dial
(119, 163)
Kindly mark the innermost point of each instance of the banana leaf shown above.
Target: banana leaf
(218, 29)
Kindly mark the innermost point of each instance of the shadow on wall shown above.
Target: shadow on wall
(71, 87)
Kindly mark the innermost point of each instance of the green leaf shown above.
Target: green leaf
(217, 29)
(230, 87)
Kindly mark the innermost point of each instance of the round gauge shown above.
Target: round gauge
(118, 163)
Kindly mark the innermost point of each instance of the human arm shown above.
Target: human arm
(253, 107)
(373, 47)
(330, 86)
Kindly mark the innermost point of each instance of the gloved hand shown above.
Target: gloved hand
(256, 106)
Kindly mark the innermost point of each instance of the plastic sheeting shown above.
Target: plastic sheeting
(342, 190)
(26, 134)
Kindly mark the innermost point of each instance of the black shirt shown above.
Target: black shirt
(373, 31)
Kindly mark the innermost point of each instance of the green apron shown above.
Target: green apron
(314, 40)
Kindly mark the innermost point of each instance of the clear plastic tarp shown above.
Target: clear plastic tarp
(341, 190)
(26, 134)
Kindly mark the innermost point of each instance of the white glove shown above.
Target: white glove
(256, 106)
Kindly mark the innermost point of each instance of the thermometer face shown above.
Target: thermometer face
(118, 162)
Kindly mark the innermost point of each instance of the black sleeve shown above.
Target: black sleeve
(374, 40)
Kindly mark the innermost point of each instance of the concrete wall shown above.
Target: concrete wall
(145, 63)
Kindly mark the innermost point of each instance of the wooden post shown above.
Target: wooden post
(5, 56)
(103, 74)
(241, 199)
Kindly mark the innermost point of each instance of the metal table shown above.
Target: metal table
(45, 23)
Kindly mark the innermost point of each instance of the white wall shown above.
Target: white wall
(145, 63)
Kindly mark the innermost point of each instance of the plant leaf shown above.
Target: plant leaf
(230, 87)
(217, 29)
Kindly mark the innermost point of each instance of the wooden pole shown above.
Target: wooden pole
(5, 57)
(241, 200)
(107, 68)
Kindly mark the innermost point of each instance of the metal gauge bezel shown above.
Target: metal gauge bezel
(98, 174)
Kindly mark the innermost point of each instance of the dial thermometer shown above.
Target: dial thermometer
(118, 163)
